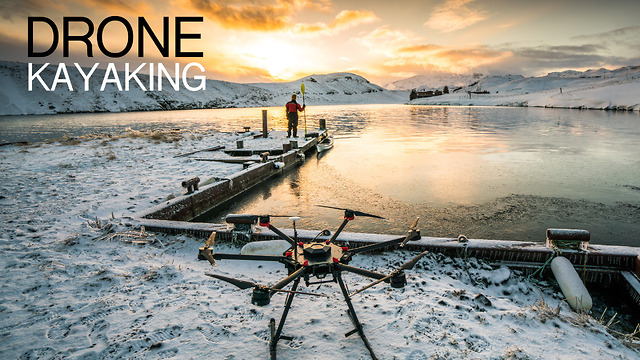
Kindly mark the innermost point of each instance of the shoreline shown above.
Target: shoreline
(440, 104)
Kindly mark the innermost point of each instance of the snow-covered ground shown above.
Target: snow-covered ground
(593, 89)
(16, 99)
(70, 289)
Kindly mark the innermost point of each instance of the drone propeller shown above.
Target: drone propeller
(239, 283)
(406, 266)
(250, 219)
(414, 226)
(354, 212)
(246, 285)
(211, 241)
(414, 233)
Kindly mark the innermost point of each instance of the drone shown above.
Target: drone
(316, 261)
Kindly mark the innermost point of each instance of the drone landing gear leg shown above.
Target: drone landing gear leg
(277, 335)
(354, 318)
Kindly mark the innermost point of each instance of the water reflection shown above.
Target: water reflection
(487, 172)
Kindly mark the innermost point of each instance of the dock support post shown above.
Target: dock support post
(322, 124)
(265, 133)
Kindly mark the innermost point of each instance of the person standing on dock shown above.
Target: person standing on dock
(292, 116)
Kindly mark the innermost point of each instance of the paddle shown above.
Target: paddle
(305, 110)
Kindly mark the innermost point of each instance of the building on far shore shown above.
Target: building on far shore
(424, 92)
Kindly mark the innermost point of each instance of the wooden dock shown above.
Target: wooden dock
(190, 206)
(608, 265)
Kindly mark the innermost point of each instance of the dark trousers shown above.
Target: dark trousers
(292, 124)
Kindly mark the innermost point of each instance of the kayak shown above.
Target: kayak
(324, 144)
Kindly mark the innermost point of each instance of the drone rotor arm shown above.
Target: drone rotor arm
(282, 235)
(406, 266)
(411, 263)
(363, 272)
(337, 232)
(373, 284)
(297, 292)
(296, 274)
(246, 285)
(223, 256)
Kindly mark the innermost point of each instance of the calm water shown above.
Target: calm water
(503, 173)
(37, 128)
(498, 173)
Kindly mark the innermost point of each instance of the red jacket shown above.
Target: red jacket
(293, 107)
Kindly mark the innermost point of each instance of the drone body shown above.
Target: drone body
(312, 261)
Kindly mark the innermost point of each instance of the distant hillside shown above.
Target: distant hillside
(16, 99)
(433, 81)
(592, 89)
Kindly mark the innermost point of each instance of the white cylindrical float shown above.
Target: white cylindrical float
(272, 247)
(572, 287)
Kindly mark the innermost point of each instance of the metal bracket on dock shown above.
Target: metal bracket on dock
(568, 239)
(191, 185)
(243, 228)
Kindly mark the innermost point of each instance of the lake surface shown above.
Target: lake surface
(486, 172)
(38, 128)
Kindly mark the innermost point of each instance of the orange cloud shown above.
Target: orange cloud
(385, 37)
(466, 59)
(270, 15)
(420, 48)
(454, 15)
(348, 18)
(458, 60)
(133, 7)
(344, 20)
(11, 8)
(19, 8)
(394, 51)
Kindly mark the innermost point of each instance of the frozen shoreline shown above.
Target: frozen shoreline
(69, 291)
(593, 90)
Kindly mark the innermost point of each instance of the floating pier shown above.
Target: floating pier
(262, 158)
(601, 264)
(267, 155)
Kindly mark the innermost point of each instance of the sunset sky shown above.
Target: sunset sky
(384, 41)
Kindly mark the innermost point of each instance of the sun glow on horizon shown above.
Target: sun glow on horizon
(276, 56)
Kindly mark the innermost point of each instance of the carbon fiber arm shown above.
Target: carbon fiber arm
(362, 272)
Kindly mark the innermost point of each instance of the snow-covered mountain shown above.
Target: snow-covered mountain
(433, 81)
(591, 89)
(16, 99)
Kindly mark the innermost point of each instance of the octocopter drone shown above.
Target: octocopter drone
(317, 262)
